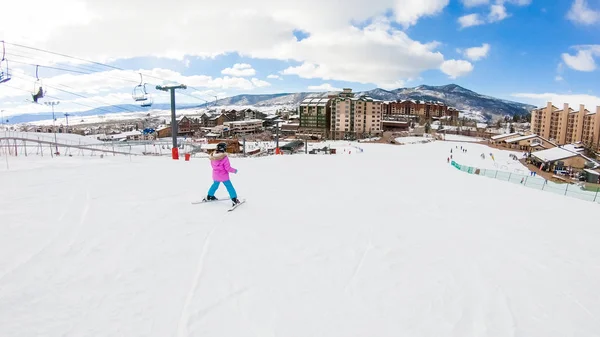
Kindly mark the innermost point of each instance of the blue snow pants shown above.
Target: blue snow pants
(228, 185)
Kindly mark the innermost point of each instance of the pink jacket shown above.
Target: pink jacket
(221, 167)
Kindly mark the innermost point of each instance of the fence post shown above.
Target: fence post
(484, 171)
(496, 174)
(566, 189)
(509, 175)
(525, 182)
(597, 190)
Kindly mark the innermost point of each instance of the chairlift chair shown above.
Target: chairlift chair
(4, 70)
(38, 88)
(147, 102)
(139, 93)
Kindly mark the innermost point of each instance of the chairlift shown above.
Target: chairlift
(4, 71)
(147, 102)
(38, 88)
(139, 91)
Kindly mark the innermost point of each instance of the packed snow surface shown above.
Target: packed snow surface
(391, 242)
(462, 138)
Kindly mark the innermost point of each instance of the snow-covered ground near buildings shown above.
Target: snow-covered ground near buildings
(462, 138)
(498, 160)
(65, 138)
(414, 139)
(392, 242)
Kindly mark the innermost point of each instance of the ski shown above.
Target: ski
(236, 205)
(208, 201)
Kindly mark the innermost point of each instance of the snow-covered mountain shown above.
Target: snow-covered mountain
(469, 102)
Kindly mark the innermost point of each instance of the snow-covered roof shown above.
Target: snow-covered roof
(574, 147)
(592, 172)
(553, 154)
(506, 135)
(249, 121)
(314, 101)
(121, 135)
(518, 139)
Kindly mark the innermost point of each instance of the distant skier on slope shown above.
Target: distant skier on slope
(221, 169)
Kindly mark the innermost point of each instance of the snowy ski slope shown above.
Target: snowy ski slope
(391, 241)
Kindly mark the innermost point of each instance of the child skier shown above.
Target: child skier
(221, 169)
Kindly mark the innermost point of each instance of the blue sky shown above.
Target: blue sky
(530, 50)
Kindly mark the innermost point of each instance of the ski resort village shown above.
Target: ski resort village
(402, 168)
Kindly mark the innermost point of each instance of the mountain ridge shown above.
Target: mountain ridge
(470, 103)
(453, 95)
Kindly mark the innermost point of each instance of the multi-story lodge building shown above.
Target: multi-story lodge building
(315, 115)
(343, 115)
(355, 117)
(566, 125)
(422, 109)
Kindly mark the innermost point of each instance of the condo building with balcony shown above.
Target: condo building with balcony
(566, 125)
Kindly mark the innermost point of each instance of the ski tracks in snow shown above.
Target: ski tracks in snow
(361, 261)
(182, 328)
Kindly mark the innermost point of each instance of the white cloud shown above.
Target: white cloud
(470, 20)
(239, 70)
(260, 83)
(408, 12)
(395, 84)
(497, 13)
(209, 95)
(584, 59)
(262, 29)
(375, 54)
(456, 68)
(590, 101)
(559, 78)
(323, 87)
(581, 13)
(477, 53)
(273, 76)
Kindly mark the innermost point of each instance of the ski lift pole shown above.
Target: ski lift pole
(174, 149)
(52, 104)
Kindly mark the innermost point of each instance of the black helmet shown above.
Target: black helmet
(221, 147)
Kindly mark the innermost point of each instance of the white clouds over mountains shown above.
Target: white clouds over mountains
(477, 53)
(239, 69)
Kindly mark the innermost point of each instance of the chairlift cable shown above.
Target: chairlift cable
(36, 58)
(124, 109)
(92, 62)
(89, 61)
(57, 98)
